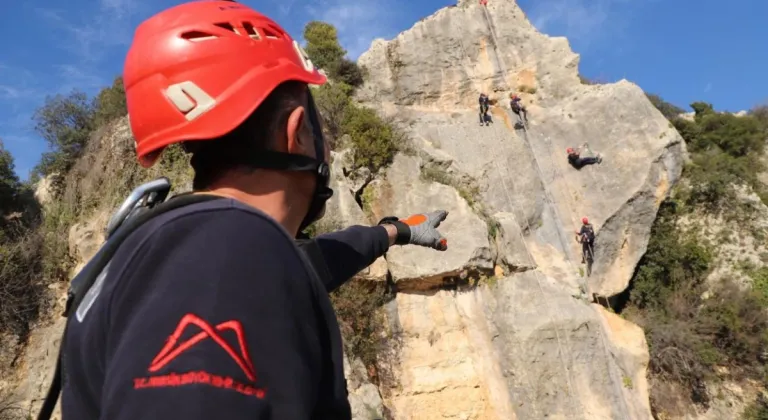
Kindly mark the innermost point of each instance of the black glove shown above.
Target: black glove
(420, 229)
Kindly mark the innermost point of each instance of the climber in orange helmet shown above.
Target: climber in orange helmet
(211, 310)
(586, 236)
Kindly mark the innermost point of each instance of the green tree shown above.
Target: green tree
(702, 108)
(110, 103)
(66, 123)
(9, 183)
(323, 45)
(326, 52)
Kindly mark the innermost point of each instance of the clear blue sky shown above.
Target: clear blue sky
(684, 50)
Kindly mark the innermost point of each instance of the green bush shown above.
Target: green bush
(671, 262)
(324, 50)
(10, 185)
(357, 305)
(689, 335)
(374, 142)
(725, 151)
(20, 251)
(332, 100)
(347, 71)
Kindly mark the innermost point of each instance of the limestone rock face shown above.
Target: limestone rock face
(431, 76)
(521, 342)
(403, 192)
(519, 349)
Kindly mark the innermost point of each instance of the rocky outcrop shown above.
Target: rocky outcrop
(430, 76)
(497, 326)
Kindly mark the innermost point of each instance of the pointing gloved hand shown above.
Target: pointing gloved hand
(420, 229)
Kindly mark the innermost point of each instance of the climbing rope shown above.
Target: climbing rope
(566, 248)
(518, 350)
(499, 61)
(537, 274)
(611, 367)
(552, 205)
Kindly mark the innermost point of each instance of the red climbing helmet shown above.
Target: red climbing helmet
(585, 221)
(569, 150)
(198, 70)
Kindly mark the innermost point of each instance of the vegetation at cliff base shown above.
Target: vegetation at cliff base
(700, 331)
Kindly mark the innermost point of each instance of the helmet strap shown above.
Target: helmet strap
(280, 161)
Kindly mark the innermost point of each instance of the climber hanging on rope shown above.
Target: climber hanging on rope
(519, 110)
(586, 237)
(484, 106)
(577, 161)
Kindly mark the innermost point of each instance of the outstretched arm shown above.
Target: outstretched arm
(347, 252)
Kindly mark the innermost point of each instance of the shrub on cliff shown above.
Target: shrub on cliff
(373, 141)
(20, 251)
(110, 103)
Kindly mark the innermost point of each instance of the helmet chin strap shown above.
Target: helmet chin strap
(270, 159)
(323, 171)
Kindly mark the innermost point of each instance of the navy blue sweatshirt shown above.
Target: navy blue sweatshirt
(211, 311)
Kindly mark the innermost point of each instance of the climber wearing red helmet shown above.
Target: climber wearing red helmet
(586, 236)
(518, 108)
(579, 162)
(211, 310)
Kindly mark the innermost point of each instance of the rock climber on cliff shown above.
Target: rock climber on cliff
(577, 161)
(518, 108)
(484, 106)
(210, 310)
(586, 236)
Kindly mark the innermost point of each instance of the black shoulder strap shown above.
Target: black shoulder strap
(87, 276)
(312, 250)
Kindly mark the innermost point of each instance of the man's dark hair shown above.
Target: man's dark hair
(214, 158)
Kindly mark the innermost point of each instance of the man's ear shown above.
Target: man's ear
(299, 135)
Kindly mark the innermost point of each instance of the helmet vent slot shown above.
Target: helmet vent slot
(198, 36)
(270, 33)
(251, 31)
(228, 26)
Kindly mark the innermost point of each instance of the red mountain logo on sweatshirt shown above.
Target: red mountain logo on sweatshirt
(173, 349)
